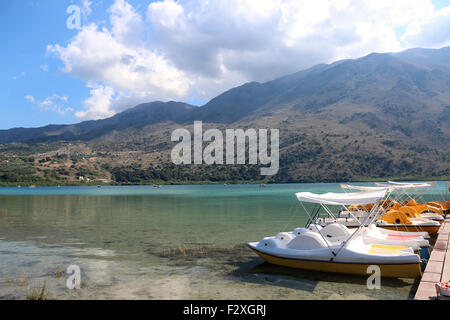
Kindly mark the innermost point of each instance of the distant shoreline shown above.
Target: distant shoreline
(162, 183)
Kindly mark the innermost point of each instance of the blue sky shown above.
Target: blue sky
(28, 26)
(211, 55)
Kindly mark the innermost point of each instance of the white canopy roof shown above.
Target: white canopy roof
(412, 183)
(404, 186)
(342, 198)
(364, 188)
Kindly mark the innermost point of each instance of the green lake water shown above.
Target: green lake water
(173, 242)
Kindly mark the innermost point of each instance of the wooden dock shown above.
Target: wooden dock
(438, 266)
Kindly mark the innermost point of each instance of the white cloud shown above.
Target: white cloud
(54, 103)
(86, 8)
(212, 41)
(432, 31)
(98, 105)
(30, 98)
(104, 101)
(21, 75)
(127, 27)
(120, 64)
(177, 50)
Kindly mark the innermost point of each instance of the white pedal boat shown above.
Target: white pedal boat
(401, 234)
(417, 226)
(369, 235)
(353, 223)
(339, 250)
(310, 251)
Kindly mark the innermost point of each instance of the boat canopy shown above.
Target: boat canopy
(412, 183)
(331, 198)
(404, 186)
(365, 188)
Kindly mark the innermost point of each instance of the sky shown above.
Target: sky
(125, 52)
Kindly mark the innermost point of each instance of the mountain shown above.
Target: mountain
(141, 115)
(426, 56)
(379, 115)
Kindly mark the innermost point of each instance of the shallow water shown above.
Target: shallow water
(173, 242)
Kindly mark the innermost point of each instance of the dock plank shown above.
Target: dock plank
(446, 268)
(440, 245)
(432, 277)
(426, 291)
(435, 266)
(437, 256)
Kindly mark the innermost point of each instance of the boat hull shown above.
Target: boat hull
(432, 230)
(411, 270)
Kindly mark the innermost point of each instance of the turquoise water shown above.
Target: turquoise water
(173, 242)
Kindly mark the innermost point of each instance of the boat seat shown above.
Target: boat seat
(284, 237)
(299, 231)
(307, 241)
(270, 242)
(334, 230)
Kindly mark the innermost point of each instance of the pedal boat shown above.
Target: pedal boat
(309, 251)
(419, 226)
(397, 220)
(352, 225)
(394, 220)
(411, 208)
(370, 235)
(346, 252)
(420, 211)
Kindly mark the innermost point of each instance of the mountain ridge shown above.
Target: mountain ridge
(238, 102)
